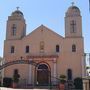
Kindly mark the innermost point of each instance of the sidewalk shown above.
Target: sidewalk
(2, 88)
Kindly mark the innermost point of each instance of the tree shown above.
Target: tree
(88, 70)
(16, 77)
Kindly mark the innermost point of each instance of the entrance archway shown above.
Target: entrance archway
(43, 74)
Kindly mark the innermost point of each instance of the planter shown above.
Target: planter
(61, 86)
(14, 85)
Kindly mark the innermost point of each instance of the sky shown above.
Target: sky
(50, 13)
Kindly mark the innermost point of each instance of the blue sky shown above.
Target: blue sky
(50, 13)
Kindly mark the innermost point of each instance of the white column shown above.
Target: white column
(86, 84)
(83, 65)
(54, 70)
(30, 74)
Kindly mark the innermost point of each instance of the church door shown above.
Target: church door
(43, 75)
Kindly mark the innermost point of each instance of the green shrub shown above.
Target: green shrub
(78, 83)
(16, 78)
(7, 82)
(62, 79)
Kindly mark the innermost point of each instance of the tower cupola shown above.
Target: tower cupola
(17, 13)
(16, 26)
(73, 11)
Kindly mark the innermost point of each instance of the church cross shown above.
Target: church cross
(17, 8)
(73, 24)
(72, 3)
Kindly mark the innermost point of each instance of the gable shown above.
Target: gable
(42, 32)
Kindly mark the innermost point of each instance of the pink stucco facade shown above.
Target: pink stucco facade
(46, 47)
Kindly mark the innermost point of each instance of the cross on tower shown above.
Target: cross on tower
(17, 8)
(72, 3)
(73, 25)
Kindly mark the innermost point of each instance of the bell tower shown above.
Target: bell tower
(73, 22)
(16, 26)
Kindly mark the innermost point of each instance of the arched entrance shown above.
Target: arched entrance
(43, 74)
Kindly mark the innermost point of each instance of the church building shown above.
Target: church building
(54, 54)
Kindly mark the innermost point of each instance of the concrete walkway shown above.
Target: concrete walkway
(2, 88)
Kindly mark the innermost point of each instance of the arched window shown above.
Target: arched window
(73, 26)
(13, 30)
(27, 49)
(57, 48)
(69, 74)
(12, 49)
(42, 66)
(73, 48)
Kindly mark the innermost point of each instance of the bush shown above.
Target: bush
(78, 83)
(7, 82)
(62, 79)
(0, 84)
(16, 78)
